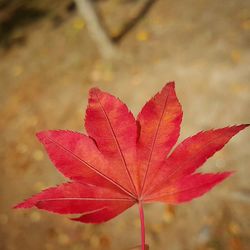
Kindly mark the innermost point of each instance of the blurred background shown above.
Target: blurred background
(52, 52)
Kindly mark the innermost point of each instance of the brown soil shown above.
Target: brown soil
(46, 69)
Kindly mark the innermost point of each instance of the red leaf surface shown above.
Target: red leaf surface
(188, 188)
(190, 155)
(109, 122)
(159, 126)
(76, 198)
(123, 161)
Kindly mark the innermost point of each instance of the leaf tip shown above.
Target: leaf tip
(17, 206)
(40, 135)
(245, 125)
(238, 128)
(169, 85)
(227, 174)
(94, 91)
(21, 205)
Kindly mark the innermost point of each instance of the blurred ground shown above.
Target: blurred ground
(47, 65)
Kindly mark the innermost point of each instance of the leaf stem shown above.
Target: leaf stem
(142, 225)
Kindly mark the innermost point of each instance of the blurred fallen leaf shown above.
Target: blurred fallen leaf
(35, 216)
(234, 228)
(142, 36)
(169, 214)
(78, 24)
(22, 148)
(94, 241)
(17, 70)
(105, 241)
(235, 56)
(238, 88)
(39, 185)
(156, 228)
(235, 244)
(38, 155)
(63, 239)
(245, 24)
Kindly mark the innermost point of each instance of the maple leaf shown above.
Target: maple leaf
(123, 161)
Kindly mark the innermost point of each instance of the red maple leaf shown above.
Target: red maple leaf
(123, 161)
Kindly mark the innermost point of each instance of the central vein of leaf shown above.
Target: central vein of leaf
(91, 167)
(153, 143)
(118, 147)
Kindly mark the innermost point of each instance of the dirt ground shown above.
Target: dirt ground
(46, 69)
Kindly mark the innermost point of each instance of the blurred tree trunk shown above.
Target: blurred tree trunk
(104, 43)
